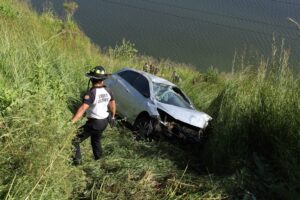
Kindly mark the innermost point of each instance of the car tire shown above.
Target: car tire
(144, 128)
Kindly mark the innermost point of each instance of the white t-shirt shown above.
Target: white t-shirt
(98, 99)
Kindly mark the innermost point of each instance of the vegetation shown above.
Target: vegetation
(125, 50)
(70, 8)
(253, 150)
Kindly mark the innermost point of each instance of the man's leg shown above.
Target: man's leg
(96, 144)
(98, 126)
(76, 142)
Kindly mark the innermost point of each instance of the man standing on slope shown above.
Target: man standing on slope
(96, 103)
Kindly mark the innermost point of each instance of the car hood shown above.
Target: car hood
(189, 116)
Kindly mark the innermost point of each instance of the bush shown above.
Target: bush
(125, 50)
(212, 75)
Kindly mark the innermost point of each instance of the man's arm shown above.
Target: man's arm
(81, 110)
(112, 108)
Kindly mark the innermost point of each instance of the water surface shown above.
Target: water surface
(198, 32)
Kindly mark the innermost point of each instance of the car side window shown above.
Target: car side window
(141, 84)
(138, 81)
(129, 76)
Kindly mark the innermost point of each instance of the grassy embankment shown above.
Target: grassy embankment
(253, 150)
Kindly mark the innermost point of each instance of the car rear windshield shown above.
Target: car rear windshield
(170, 95)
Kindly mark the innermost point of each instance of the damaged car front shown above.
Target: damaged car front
(177, 115)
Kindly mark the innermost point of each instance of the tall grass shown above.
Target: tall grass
(256, 127)
(253, 144)
(37, 81)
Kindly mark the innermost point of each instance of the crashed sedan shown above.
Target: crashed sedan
(155, 106)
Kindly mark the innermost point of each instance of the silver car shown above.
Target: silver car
(155, 106)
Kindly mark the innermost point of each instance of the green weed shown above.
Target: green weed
(8, 11)
(125, 50)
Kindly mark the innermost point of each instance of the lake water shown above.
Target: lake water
(198, 32)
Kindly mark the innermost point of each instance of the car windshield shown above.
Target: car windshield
(170, 95)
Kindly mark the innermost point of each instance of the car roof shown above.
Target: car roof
(149, 76)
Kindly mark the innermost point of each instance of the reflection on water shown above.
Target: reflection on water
(199, 32)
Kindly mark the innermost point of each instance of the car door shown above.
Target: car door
(117, 85)
(141, 93)
(122, 91)
(134, 93)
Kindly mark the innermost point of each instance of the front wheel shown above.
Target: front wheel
(144, 128)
